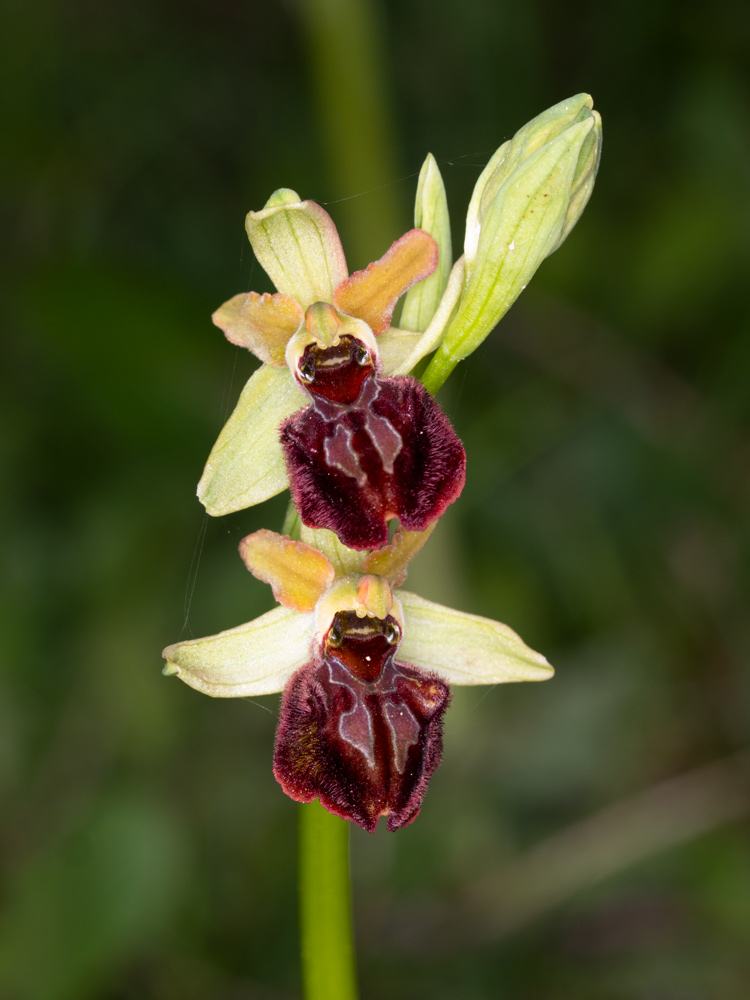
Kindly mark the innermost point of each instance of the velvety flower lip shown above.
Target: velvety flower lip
(363, 741)
(364, 667)
(297, 245)
(367, 448)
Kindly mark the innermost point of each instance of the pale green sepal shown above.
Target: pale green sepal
(465, 649)
(246, 465)
(547, 126)
(298, 247)
(401, 350)
(252, 659)
(430, 214)
(540, 130)
(523, 225)
(292, 523)
(343, 559)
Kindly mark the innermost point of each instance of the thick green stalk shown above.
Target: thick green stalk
(350, 80)
(328, 964)
(438, 370)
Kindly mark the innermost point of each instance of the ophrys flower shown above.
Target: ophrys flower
(364, 666)
(366, 447)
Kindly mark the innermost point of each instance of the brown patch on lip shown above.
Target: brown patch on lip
(336, 373)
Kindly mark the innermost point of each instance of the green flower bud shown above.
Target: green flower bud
(526, 201)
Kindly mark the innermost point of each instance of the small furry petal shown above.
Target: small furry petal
(393, 453)
(298, 573)
(359, 729)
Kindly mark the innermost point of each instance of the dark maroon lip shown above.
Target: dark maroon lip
(359, 729)
(390, 453)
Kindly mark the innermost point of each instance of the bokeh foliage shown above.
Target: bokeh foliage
(146, 849)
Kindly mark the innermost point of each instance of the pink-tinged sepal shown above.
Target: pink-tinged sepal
(296, 244)
(391, 453)
(359, 729)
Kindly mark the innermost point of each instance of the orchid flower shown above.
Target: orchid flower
(364, 446)
(364, 667)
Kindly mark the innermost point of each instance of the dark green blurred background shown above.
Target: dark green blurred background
(585, 838)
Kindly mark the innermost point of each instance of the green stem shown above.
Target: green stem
(328, 965)
(438, 370)
(355, 116)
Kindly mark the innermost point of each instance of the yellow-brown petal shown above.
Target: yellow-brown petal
(263, 324)
(393, 560)
(298, 574)
(371, 294)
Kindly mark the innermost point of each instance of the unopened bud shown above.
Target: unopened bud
(525, 203)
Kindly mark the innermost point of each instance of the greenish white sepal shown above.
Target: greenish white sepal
(526, 201)
(252, 659)
(246, 465)
(465, 649)
(344, 560)
(585, 175)
(538, 132)
(297, 245)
